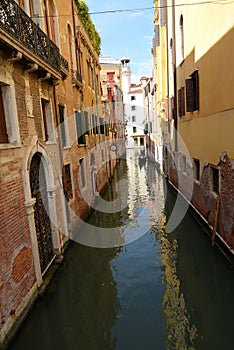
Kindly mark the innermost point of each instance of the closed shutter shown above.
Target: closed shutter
(3, 129)
(94, 124)
(196, 90)
(86, 123)
(179, 103)
(182, 101)
(79, 129)
(189, 95)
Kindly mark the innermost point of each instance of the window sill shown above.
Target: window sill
(67, 147)
(197, 182)
(10, 145)
(51, 142)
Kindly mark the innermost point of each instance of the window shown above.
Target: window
(135, 141)
(82, 126)
(95, 124)
(196, 169)
(134, 129)
(82, 172)
(133, 98)
(92, 77)
(92, 159)
(106, 128)
(146, 129)
(181, 102)
(67, 172)
(70, 48)
(62, 125)
(133, 118)
(215, 179)
(88, 71)
(9, 129)
(192, 92)
(102, 126)
(47, 120)
(52, 20)
(184, 164)
(182, 36)
(133, 108)
(3, 128)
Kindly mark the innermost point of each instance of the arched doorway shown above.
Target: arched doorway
(41, 217)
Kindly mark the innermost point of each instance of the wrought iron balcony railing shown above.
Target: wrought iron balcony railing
(64, 64)
(15, 22)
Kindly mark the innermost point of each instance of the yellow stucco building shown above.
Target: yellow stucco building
(195, 40)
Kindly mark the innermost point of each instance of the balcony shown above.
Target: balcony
(20, 32)
(76, 78)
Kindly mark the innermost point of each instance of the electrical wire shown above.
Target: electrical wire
(215, 2)
(141, 9)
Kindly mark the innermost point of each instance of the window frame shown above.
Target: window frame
(10, 114)
(196, 169)
(69, 181)
(192, 92)
(47, 119)
(63, 127)
(215, 183)
(82, 173)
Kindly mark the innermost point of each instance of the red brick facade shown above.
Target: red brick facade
(37, 92)
(203, 196)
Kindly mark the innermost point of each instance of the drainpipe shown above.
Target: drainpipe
(63, 185)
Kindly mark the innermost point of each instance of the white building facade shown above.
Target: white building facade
(134, 107)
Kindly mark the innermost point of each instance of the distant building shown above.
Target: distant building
(112, 104)
(134, 108)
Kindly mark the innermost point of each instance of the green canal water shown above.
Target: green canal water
(160, 291)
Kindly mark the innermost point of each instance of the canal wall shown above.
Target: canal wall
(214, 208)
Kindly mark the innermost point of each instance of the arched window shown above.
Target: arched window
(51, 21)
(171, 52)
(182, 36)
(71, 50)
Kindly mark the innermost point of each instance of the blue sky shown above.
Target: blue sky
(126, 34)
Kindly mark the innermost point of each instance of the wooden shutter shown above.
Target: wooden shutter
(189, 95)
(196, 90)
(62, 125)
(179, 103)
(86, 123)
(51, 21)
(80, 129)
(3, 129)
(43, 105)
(182, 101)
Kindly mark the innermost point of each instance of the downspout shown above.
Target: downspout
(63, 185)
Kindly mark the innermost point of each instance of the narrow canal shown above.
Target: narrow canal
(160, 291)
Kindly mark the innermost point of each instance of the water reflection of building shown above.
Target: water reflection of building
(137, 185)
(181, 332)
(92, 292)
(104, 228)
(146, 188)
